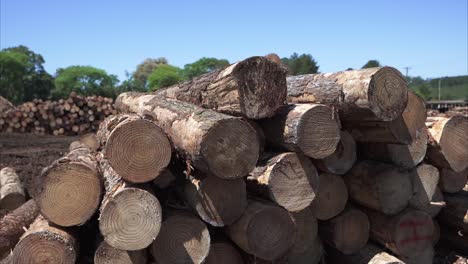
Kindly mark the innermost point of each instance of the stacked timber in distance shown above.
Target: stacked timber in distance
(215, 143)
(74, 115)
(254, 88)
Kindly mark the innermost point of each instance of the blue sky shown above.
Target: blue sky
(429, 36)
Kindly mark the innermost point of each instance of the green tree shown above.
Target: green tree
(84, 80)
(130, 85)
(165, 75)
(424, 91)
(204, 65)
(13, 67)
(371, 64)
(144, 70)
(300, 64)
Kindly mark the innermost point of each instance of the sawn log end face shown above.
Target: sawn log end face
(413, 232)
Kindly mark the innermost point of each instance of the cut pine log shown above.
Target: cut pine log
(45, 243)
(217, 144)
(451, 181)
(68, 192)
(288, 179)
(12, 225)
(379, 186)
(307, 247)
(331, 197)
(426, 257)
(136, 148)
(184, 238)
(12, 193)
(223, 252)
(406, 156)
(362, 95)
(264, 230)
(106, 254)
(218, 202)
(407, 234)
(140, 223)
(348, 232)
(255, 88)
(309, 128)
(424, 178)
(369, 254)
(455, 214)
(343, 159)
(448, 143)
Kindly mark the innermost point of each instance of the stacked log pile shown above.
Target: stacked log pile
(246, 165)
(72, 116)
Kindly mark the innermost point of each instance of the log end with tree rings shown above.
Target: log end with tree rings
(230, 148)
(388, 93)
(131, 219)
(262, 86)
(138, 150)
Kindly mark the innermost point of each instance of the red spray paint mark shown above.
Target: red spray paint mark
(415, 237)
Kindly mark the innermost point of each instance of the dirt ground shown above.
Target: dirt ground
(28, 154)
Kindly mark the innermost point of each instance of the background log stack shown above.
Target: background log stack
(72, 116)
(182, 175)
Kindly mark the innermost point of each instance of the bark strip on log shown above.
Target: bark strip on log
(12, 193)
(288, 179)
(217, 201)
(223, 252)
(264, 230)
(136, 148)
(407, 234)
(379, 186)
(331, 197)
(448, 143)
(130, 216)
(44, 243)
(343, 159)
(255, 88)
(106, 254)
(184, 238)
(217, 144)
(348, 232)
(12, 225)
(309, 128)
(406, 156)
(361, 95)
(68, 192)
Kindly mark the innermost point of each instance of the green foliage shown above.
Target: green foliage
(300, 64)
(144, 70)
(130, 85)
(13, 67)
(371, 64)
(84, 80)
(35, 81)
(204, 65)
(164, 76)
(451, 88)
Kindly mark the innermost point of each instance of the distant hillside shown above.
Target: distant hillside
(451, 88)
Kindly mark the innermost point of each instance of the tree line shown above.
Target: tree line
(23, 77)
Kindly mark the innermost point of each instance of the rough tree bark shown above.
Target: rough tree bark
(140, 223)
(12, 225)
(309, 128)
(264, 230)
(184, 238)
(448, 143)
(45, 243)
(348, 232)
(288, 179)
(12, 193)
(255, 88)
(331, 197)
(218, 202)
(407, 234)
(136, 148)
(379, 186)
(68, 192)
(217, 144)
(361, 95)
(343, 159)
